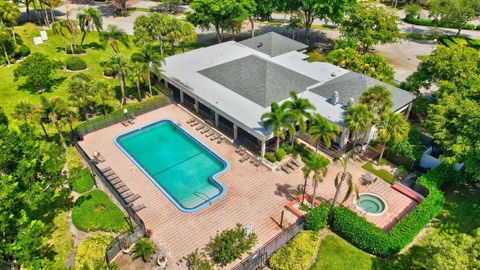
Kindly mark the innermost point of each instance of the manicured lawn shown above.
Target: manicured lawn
(452, 40)
(61, 240)
(81, 180)
(337, 254)
(94, 211)
(383, 174)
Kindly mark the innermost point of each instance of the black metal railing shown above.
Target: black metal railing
(135, 233)
(119, 116)
(259, 258)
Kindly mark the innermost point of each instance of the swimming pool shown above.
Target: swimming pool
(184, 169)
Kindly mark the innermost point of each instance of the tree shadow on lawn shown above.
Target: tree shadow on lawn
(94, 46)
(55, 82)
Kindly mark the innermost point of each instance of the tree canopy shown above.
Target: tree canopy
(37, 69)
(455, 12)
(370, 25)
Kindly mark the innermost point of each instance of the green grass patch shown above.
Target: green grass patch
(91, 252)
(337, 254)
(61, 240)
(81, 180)
(94, 211)
(383, 174)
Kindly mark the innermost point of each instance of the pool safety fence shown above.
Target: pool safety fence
(138, 230)
(259, 258)
(120, 115)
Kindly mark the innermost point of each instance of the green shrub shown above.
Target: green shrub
(230, 245)
(317, 218)
(270, 156)
(296, 254)
(316, 56)
(198, 260)
(74, 161)
(280, 154)
(81, 180)
(288, 147)
(76, 50)
(24, 51)
(91, 252)
(368, 237)
(144, 248)
(75, 63)
(95, 211)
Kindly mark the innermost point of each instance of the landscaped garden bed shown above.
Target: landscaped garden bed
(380, 172)
(297, 208)
(95, 211)
(297, 254)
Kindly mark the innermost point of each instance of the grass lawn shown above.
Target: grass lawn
(452, 40)
(337, 254)
(61, 240)
(81, 180)
(94, 211)
(383, 174)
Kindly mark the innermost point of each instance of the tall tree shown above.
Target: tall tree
(378, 99)
(188, 34)
(137, 73)
(358, 119)
(300, 109)
(60, 28)
(391, 127)
(341, 177)
(113, 35)
(152, 61)
(220, 14)
(104, 92)
(89, 19)
(333, 10)
(279, 120)
(9, 13)
(23, 110)
(370, 25)
(118, 65)
(81, 93)
(56, 109)
(322, 129)
(455, 12)
(5, 40)
(37, 68)
(317, 166)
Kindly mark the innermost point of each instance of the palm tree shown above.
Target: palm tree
(152, 61)
(80, 92)
(358, 118)
(318, 165)
(56, 110)
(41, 118)
(118, 64)
(189, 34)
(378, 99)
(322, 129)
(89, 19)
(342, 177)
(279, 120)
(175, 34)
(113, 35)
(300, 109)
(59, 28)
(9, 13)
(392, 126)
(136, 72)
(23, 110)
(5, 39)
(104, 92)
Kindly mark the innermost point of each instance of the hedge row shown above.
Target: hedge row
(317, 218)
(438, 23)
(368, 237)
(75, 63)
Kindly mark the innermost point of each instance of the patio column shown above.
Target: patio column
(235, 132)
(165, 83)
(344, 137)
(181, 96)
(196, 106)
(216, 118)
(262, 150)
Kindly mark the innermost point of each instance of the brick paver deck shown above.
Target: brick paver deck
(254, 195)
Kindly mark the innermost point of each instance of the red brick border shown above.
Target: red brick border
(406, 191)
(295, 211)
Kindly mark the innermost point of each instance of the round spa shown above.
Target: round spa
(370, 204)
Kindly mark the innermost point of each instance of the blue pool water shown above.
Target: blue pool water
(183, 168)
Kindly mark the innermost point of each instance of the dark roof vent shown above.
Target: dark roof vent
(260, 44)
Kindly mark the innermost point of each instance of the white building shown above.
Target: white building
(233, 83)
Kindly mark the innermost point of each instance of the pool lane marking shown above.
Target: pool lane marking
(176, 164)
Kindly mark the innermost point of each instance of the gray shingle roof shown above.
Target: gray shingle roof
(352, 85)
(273, 44)
(258, 80)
